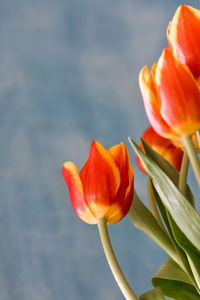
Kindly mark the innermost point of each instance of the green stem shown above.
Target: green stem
(112, 261)
(152, 203)
(193, 157)
(182, 183)
(198, 137)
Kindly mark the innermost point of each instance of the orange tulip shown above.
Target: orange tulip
(163, 146)
(183, 37)
(171, 97)
(104, 186)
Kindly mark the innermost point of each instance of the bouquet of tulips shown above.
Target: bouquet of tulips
(103, 192)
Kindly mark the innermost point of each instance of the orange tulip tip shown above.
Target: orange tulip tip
(183, 37)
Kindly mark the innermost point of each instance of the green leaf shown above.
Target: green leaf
(155, 294)
(183, 213)
(174, 282)
(163, 212)
(161, 162)
(143, 219)
(170, 226)
(167, 168)
(191, 252)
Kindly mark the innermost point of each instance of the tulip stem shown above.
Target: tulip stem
(182, 183)
(198, 137)
(193, 157)
(112, 261)
(152, 203)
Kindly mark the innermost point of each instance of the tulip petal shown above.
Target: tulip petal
(123, 200)
(152, 105)
(183, 37)
(155, 141)
(179, 93)
(101, 179)
(72, 178)
(162, 146)
(129, 192)
(138, 160)
(121, 157)
(174, 156)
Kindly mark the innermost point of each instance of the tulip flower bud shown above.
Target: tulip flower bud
(183, 37)
(171, 97)
(163, 146)
(104, 186)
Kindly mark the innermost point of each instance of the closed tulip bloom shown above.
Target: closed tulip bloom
(162, 146)
(183, 37)
(171, 97)
(104, 186)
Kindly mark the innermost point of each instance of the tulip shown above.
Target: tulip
(162, 146)
(171, 97)
(183, 37)
(104, 187)
(102, 194)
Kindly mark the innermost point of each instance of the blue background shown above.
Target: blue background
(68, 75)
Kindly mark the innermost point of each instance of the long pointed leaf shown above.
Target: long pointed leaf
(185, 216)
(174, 282)
(171, 226)
(167, 168)
(143, 219)
(192, 254)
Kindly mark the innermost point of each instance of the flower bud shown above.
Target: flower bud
(104, 186)
(171, 97)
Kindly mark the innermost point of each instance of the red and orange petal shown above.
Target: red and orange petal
(179, 94)
(120, 208)
(80, 206)
(162, 146)
(100, 177)
(121, 157)
(157, 142)
(152, 104)
(124, 196)
(174, 156)
(126, 204)
(183, 37)
(138, 160)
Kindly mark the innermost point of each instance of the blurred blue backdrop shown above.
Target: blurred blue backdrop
(69, 74)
